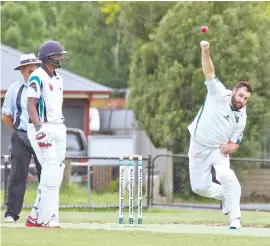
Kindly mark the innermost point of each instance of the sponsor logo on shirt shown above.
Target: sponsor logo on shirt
(51, 87)
(227, 117)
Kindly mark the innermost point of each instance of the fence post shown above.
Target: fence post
(89, 181)
(149, 160)
(6, 159)
(152, 178)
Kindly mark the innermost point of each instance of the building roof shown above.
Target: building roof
(72, 82)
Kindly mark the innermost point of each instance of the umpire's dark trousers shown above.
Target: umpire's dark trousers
(20, 159)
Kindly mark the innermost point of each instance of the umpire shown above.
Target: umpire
(14, 114)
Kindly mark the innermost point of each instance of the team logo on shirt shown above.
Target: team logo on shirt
(51, 87)
(34, 86)
(227, 117)
(237, 119)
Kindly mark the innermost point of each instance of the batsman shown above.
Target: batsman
(47, 133)
(216, 132)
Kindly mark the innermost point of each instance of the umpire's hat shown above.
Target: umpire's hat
(26, 60)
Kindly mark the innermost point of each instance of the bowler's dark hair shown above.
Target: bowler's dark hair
(244, 83)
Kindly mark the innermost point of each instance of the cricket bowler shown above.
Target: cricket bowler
(216, 132)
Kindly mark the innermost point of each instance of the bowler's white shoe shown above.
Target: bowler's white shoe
(235, 224)
(9, 219)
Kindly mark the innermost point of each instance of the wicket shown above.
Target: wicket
(131, 159)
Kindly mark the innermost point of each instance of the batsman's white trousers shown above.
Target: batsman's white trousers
(51, 158)
(201, 159)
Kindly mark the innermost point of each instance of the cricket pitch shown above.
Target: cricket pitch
(163, 228)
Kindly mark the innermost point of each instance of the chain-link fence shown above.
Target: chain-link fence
(253, 175)
(89, 182)
(94, 183)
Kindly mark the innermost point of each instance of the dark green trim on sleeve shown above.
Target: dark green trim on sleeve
(203, 104)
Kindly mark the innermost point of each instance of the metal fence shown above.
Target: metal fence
(253, 175)
(94, 183)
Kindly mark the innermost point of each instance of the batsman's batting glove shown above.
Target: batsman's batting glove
(43, 138)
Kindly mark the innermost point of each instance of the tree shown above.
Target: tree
(79, 26)
(22, 25)
(110, 9)
(166, 78)
(91, 44)
(139, 19)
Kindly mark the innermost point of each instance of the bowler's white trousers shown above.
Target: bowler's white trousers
(201, 159)
(51, 160)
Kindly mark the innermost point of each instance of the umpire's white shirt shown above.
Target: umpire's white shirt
(48, 88)
(15, 105)
(216, 121)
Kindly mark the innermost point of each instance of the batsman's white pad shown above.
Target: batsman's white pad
(62, 170)
(48, 204)
(34, 212)
(60, 143)
(49, 191)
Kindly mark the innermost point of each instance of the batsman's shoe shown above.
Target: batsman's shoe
(9, 219)
(235, 224)
(51, 224)
(31, 222)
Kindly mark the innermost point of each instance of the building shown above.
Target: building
(78, 93)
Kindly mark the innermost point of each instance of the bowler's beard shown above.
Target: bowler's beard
(235, 104)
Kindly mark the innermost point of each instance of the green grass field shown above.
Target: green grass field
(78, 194)
(21, 236)
(161, 227)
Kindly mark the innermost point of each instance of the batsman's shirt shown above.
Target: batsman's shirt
(48, 88)
(217, 122)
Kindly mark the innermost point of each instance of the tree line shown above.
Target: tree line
(153, 48)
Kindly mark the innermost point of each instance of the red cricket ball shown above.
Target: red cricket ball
(204, 28)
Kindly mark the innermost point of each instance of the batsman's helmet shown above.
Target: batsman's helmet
(50, 51)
